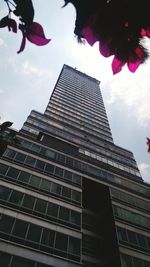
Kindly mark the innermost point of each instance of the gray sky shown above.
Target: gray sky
(28, 79)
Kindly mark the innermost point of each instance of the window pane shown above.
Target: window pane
(28, 202)
(6, 224)
(58, 171)
(48, 237)
(68, 175)
(24, 177)
(40, 165)
(141, 240)
(4, 192)
(61, 241)
(40, 206)
(20, 228)
(77, 179)
(64, 214)
(16, 197)
(55, 188)
(66, 192)
(35, 181)
(75, 217)
(50, 154)
(132, 237)
(45, 185)
(4, 259)
(3, 169)
(74, 246)
(76, 196)
(20, 157)
(49, 168)
(126, 261)
(137, 262)
(13, 173)
(20, 262)
(30, 161)
(35, 148)
(122, 235)
(10, 153)
(34, 233)
(52, 210)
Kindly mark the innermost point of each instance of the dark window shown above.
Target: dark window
(61, 158)
(40, 165)
(76, 178)
(13, 173)
(122, 235)
(20, 262)
(20, 228)
(75, 217)
(141, 240)
(24, 177)
(16, 197)
(68, 175)
(4, 259)
(64, 214)
(52, 210)
(59, 172)
(28, 202)
(50, 154)
(66, 192)
(30, 161)
(35, 181)
(126, 261)
(61, 241)
(55, 188)
(45, 185)
(10, 153)
(69, 161)
(132, 237)
(49, 168)
(34, 233)
(35, 148)
(48, 237)
(74, 246)
(76, 196)
(20, 157)
(3, 169)
(6, 224)
(40, 206)
(4, 192)
(137, 262)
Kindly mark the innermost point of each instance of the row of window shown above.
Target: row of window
(37, 237)
(109, 162)
(136, 240)
(90, 170)
(40, 207)
(42, 166)
(8, 260)
(131, 200)
(40, 184)
(131, 217)
(129, 261)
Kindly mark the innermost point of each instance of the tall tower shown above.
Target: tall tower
(70, 197)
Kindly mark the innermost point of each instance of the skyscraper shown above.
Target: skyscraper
(70, 197)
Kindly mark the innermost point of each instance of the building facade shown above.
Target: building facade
(69, 196)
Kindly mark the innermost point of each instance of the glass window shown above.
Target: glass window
(74, 246)
(76, 178)
(50, 154)
(4, 192)
(35, 148)
(48, 237)
(76, 196)
(6, 224)
(137, 262)
(61, 241)
(34, 233)
(64, 214)
(28, 202)
(24, 177)
(141, 240)
(126, 260)
(30, 161)
(55, 188)
(66, 192)
(45, 185)
(16, 197)
(61, 158)
(20, 228)
(13, 173)
(75, 217)
(3, 169)
(68, 175)
(52, 210)
(10, 153)
(35, 181)
(40, 165)
(58, 171)
(49, 168)
(40, 206)
(20, 262)
(4, 259)
(122, 235)
(20, 157)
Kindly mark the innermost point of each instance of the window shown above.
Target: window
(52, 210)
(126, 261)
(13, 173)
(4, 192)
(3, 169)
(75, 217)
(74, 246)
(9, 153)
(35, 181)
(20, 228)
(64, 214)
(20, 262)
(49, 168)
(68, 175)
(28, 202)
(58, 171)
(76, 196)
(30, 161)
(40, 206)
(34, 233)
(40, 165)
(20, 157)
(4, 259)
(6, 223)
(45, 185)
(24, 177)
(66, 192)
(16, 197)
(55, 188)
(61, 242)
(48, 237)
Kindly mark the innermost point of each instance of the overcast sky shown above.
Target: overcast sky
(27, 79)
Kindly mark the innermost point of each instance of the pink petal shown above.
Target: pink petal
(117, 65)
(145, 32)
(105, 50)
(35, 34)
(133, 64)
(23, 43)
(89, 35)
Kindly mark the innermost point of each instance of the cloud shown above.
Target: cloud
(2, 43)
(145, 171)
(30, 69)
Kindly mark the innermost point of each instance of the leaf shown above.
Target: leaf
(10, 23)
